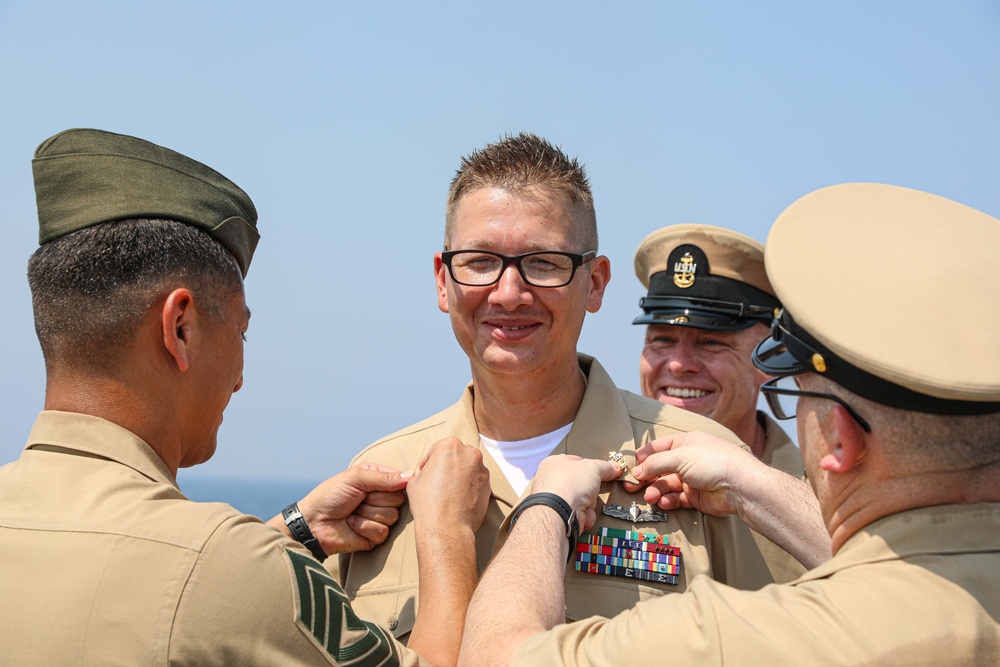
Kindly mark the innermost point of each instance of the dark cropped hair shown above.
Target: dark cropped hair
(91, 289)
(925, 442)
(516, 163)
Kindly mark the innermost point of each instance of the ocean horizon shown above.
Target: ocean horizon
(263, 498)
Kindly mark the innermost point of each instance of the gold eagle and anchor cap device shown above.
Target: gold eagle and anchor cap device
(704, 277)
(857, 267)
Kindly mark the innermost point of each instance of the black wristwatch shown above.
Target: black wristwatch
(299, 529)
(566, 512)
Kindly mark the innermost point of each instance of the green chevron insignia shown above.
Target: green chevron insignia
(325, 612)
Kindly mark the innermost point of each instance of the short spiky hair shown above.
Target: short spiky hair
(516, 163)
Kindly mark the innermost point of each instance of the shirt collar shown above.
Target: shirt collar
(100, 437)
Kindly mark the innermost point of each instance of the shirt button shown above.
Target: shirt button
(393, 622)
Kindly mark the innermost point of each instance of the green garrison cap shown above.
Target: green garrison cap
(86, 177)
(891, 293)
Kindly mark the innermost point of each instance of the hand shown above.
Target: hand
(451, 486)
(575, 480)
(693, 470)
(352, 511)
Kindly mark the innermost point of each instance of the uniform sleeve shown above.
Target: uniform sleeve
(734, 553)
(737, 559)
(256, 597)
(886, 612)
(674, 629)
(710, 624)
(384, 582)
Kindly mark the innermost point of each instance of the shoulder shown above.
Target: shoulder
(161, 513)
(256, 597)
(390, 448)
(670, 419)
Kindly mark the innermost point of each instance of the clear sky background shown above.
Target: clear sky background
(345, 122)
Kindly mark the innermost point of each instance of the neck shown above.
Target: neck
(118, 401)
(511, 408)
(866, 502)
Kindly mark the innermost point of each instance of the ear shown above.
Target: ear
(849, 443)
(441, 278)
(176, 317)
(600, 276)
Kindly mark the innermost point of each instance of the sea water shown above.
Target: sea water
(263, 498)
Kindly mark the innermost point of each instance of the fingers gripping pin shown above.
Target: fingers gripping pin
(632, 513)
(619, 458)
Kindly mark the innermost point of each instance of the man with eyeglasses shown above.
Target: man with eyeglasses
(708, 305)
(519, 272)
(898, 419)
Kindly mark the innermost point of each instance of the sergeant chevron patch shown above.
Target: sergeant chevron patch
(324, 612)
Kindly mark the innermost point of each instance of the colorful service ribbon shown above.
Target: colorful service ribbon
(628, 553)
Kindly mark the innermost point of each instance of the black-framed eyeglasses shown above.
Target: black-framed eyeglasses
(782, 394)
(479, 268)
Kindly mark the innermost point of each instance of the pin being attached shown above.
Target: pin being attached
(619, 458)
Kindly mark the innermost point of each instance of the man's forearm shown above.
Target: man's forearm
(522, 591)
(785, 510)
(448, 575)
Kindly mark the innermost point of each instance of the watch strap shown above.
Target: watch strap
(566, 513)
(299, 529)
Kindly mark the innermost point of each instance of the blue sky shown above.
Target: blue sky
(345, 122)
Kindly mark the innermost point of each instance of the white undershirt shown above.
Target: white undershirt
(519, 459)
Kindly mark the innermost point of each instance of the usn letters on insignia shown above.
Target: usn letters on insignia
(684, 271)
(323, 612)
(619, 458)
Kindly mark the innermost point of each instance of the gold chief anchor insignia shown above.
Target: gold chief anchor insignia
(684, 271)
(633, 513)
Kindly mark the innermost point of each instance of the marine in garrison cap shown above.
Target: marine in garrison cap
(139, 307)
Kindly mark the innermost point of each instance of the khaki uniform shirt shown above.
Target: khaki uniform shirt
(915, 588)
(383, 583)
(781, 453)
(104, 562)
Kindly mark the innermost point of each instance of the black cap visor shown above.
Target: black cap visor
(702, 313)
(774, 358)
(790, 350)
